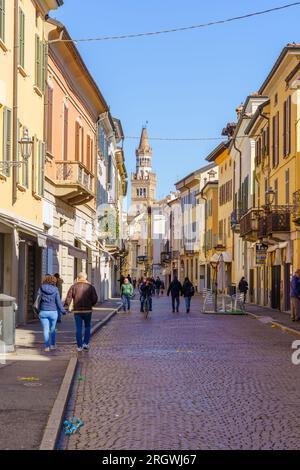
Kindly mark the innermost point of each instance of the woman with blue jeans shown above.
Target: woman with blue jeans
(50, 305)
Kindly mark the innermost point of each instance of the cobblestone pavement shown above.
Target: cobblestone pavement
(187, 382)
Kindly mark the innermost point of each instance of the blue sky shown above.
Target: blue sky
(184, 84)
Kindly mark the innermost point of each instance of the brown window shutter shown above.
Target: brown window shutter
(66, 124)
(289, 120)
(50, 119)
(273, 141)
(88, 151)
(82, 146)
(268, 141)
(277, 138)
(77, 129)
(284, 129)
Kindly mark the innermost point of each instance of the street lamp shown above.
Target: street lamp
(270, 195)
(26, 144)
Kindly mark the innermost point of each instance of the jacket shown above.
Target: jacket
(243, 286)
(84, 297)
(127, 289)
(175, 288)
(146, 290)
(295, 287)
(188, 289)
(50, 298)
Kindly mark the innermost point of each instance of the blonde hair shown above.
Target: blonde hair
(82, 276)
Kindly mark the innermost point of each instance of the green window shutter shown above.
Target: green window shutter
(2, 20)
(44, 56)
(17, 157)
(37, 61)
(7, 137)
(35, 164)
(21, 38)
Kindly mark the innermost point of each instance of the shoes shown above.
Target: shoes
(58, 321)
(53, 348)
(79, 349)
(85, 347)
(293, 319)
(173, 311)
(177, 311)
(142, 311)
(47, 349)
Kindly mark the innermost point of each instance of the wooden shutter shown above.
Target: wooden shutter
(34, 164)
(44, 62)
(287, 186)
(50, 119)
(88, 151)
(2, 20)
(276, 191)
(42, 168)
(288, 125)
(21, 38)
(66, 125)
(77, 131)
(284, 129)
(82, 145)
(7, 136)
(37, 61)
(277, 139)
(92, 157)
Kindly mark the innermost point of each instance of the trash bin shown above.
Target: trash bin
(8, 309)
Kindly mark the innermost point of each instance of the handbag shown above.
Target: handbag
(37, 304)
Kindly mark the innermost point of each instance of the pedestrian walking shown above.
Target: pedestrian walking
(157, 284)
(84, 297)
(188, 291)
(59, 283)
(162, 287)
(129, 278)
(134, 282)
(243, 287)
(175, 288)
(121, 280)
(49, 304)
(146, 291)
(295, 296)
(126, 294)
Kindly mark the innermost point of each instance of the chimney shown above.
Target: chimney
(239, 110)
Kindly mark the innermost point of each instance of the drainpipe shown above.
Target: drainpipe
(15, 99)
(205, 210)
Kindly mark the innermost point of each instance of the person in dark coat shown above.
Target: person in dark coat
(175, 288)
(129, 278)
(243, 287)
(187, 291)
(157, 284)
(295, 296)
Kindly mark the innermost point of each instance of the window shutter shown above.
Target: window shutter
(284, 129)
(37, 61)
(18, 152)
(21, 38)
(92, 157)
(34, 165)
(77, 129)
(7, 137)
(277, 138)
(2, 20)
(82, 145)
(273, 141)
(42, 168)
(49, 119)
(66, 124)
(88, 151)
(44, 57)
(287, 186)
(289, 120)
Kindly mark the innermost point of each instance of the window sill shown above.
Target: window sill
(37, 196)
(21, 188)
(22, 71)
(38, 90)
(3, 46)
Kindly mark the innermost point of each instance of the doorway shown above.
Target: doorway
(275, 292)
(287, 287)
(251, 286)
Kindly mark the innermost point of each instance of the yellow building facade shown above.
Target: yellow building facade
(22, 99)
(274, 221)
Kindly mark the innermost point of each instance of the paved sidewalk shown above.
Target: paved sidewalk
(25, 405)
(282, 318)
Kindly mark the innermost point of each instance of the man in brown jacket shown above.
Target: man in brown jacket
(84, 297)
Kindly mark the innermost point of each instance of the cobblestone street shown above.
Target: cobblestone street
(187, 382)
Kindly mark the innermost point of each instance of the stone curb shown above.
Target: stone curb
(53, 427)
(286, 329)
(54, 423)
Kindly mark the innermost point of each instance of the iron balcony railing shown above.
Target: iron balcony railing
(249, 223)
(165, 257)
(278, 220)
(296, 207)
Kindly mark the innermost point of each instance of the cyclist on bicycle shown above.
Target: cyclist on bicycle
(146, 291)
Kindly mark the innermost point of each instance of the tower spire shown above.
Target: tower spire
(144, 146)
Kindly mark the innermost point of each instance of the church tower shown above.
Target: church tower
(143, 181)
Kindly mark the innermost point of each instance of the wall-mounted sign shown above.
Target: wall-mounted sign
(261, 253)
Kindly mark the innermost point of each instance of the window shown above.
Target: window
(276, 192)
(229, 227)
(39, 155)
(40, 63)
(287, 186)
(89, 154)
(2, 20)
(49, 119)
(65, 132)
(287, 127)
(7, 136)
(276, 99)
(21, 38)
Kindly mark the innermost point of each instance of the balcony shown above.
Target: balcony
(74, 183)
(175, 254)
(142, 259)
(249, 225)
(278, 223)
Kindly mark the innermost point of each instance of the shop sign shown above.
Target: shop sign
(261, 253)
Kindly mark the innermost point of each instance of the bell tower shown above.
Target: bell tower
(143, 181)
